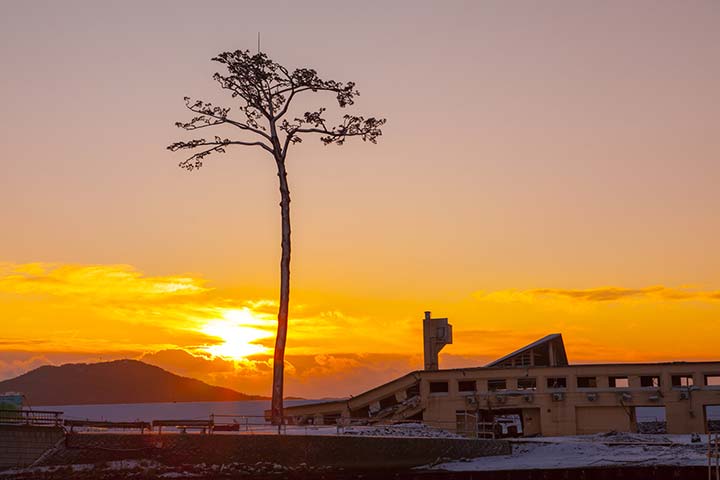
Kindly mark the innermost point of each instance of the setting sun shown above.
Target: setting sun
(239, 330)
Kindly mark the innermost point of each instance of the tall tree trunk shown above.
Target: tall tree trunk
(280, 339)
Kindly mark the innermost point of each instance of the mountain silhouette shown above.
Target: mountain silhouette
(119, 381)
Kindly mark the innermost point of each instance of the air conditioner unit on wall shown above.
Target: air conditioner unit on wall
(500, 399)
(626, 397)
(529, 398)
(684, 395)
(558, 396)
(592, 396)
(471, 401)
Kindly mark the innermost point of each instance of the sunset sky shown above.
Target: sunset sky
(546, 167)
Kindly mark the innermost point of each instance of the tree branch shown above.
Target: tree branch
(218, 146)
(368, 129)
(218, 114)
(202, 143)
(286, 106)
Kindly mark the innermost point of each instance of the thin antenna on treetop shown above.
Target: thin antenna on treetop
(258, 42)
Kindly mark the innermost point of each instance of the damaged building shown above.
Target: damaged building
(533, 391)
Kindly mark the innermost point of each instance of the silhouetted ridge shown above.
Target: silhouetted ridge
(119, 381)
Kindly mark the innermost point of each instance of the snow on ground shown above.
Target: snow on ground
(609, 449)
(614, 449)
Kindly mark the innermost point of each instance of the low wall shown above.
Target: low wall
(288, 450)
(21, 445)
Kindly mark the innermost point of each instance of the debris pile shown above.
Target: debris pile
(148, 469)
(401, 430)
(653, 428)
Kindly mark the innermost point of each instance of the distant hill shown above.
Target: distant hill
(120, 381)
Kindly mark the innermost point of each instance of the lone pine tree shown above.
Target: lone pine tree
(264, 91)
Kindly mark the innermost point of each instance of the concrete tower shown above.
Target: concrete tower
(437, 333)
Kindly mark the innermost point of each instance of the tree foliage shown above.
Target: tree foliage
(265, 90)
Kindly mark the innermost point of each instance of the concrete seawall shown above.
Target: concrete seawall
(21, 445)
(288, 450)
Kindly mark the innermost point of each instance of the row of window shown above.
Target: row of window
(525, 383)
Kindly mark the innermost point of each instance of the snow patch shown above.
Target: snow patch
(611, 449)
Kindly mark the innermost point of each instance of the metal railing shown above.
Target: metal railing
(233, 424)
(106, 425)
(713, 453)
(31, 417)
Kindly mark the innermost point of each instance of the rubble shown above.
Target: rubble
(655, 427)
(400, 430)
(148, 469)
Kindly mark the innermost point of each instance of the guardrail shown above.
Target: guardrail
(204, 426)
(31, 417)
(713, 453)
(142, 426)
(230, 423)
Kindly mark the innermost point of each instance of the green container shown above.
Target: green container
(10, 407)
(11, 401)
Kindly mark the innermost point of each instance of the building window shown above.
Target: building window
(523, 360)
(467, 386)
(587, 382)
(495, 385)
(388, 402)
(650, 381)
(467, 423)
(438, 387)
(712, 380)
(413, 390)
(556, 382)
(682, 381)
(619, 382)
(526, 384)
(362, 412)
(331, 418)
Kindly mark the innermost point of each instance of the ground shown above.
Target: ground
(616, 450)
(610, 449)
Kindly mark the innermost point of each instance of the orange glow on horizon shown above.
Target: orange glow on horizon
(337, 344)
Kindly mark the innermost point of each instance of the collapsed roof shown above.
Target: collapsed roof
(549, 351)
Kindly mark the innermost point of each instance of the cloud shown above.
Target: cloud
(96, 282)
(310, 376)
(601, 294)
(17, 362)
(55, 307)
(100, 307)
(185, 363)
(344, 374)
(15, 367)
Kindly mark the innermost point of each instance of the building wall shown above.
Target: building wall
(596, 419)
(21, 445)
(612, 408)
(290, 450)
(550, 411)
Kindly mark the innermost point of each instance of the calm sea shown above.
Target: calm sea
(245, 413)
(250, 411)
